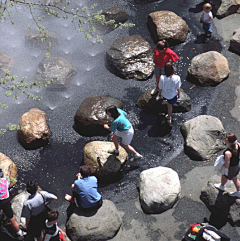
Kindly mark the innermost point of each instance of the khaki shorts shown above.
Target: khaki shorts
(127, 135)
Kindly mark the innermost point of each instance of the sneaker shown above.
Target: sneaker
(154, 91)
(21, 237)
(114, 151)
(158, 98)
(136, 157)
(234, 194)
(219, 186)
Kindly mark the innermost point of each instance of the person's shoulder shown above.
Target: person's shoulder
(93, 178)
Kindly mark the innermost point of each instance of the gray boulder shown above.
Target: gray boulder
(58, 69)
(221, 204)
(101, 163)
(6, 63)
(90, 116)
(227, 8)
(36, 38)
(103, 224)
(204, 136)
(208, 69)
(34, 130)
(148, 102)
(130, 57)
(159, 189)
(235, 41)
(169, 26)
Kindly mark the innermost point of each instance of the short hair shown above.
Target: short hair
(168, 69)
(84, 170)
(32, 187)
(207, 6)
(161, 45)
(52, 215)
(113, 110)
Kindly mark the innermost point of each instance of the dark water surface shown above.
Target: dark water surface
(55, 166)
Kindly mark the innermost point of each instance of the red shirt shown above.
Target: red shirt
(161, 58)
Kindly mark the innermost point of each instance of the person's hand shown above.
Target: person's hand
(72, 186)
(79, 175)
(106, 126)
(64, 234)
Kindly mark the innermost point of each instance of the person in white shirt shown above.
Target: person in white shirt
(207, 18)
(169, 88)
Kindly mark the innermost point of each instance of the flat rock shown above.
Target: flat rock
(130, 57)
(91, 116)
(204, 136)
(36, 38)
(208, 69)
(148, 102)
(102, 224)
(169, 26)
(34, 130)
(227, 8)
(101, 163)
(6, 63)
(235, 41)
(159, 189)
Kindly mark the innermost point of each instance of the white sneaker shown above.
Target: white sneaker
(234, 194)
(158, 98)
(220, 186)
(114, 151)
(21, 237)
(136, 157)
(154, 91)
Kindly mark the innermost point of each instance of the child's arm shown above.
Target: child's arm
(63, 233)
(178, 90)
(202, 17)
(210, 19)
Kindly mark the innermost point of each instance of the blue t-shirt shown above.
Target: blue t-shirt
(86, 188)
(121, 123)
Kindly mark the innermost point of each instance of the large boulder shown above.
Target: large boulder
(131, 57)
(208, 69)
(204, 136)
(101, 163)
(6, 63)
(57, 69)
(159, 189)
(91, 116)
(36, 38)
(7, 165)
(169, 26)
(34, 130)
(103, 224)
(221, 204)
(148, 102)
(227, 8)
(235, 41)
(115, 13)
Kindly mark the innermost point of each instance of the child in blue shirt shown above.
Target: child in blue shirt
(121, 127)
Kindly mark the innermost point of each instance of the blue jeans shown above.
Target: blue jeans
(207, 27)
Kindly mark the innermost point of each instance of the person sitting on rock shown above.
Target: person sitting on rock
(51, 230)
(122, 128)
(84, 190)
(5, 204)
(162, 55)
(34, 209)
(231, 156)
(169, 88)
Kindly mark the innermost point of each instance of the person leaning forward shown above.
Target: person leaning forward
(33, 210)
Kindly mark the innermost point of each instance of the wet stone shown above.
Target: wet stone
(208, 69)
(169, 26)
(235, 41)
(101, 163)
(130, 57)
(149, 103)
(91, 116)
(204, 136)
(227, 8)
(36, 38)
(6, 63)
(34, 130)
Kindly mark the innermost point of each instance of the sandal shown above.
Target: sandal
(169, 119)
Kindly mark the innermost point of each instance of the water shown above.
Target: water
(55, 166)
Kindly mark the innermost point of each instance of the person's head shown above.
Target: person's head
(207, 7)
(112, 111)
(84, 170)
(168, 69)
(162, 45)
(32, 187)
(52, 216)
(231, 141)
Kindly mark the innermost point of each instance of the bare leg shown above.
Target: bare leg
(236, 183)
(223, 180)
(157, 79)
(170, 108)
(115, 141)
(14, 224)
(130, 149)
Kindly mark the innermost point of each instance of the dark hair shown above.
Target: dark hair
(32, 187)
(113, 110)
(52, 215)
(231, 139)
(168, 69)
(161, 45)
(84, 170)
